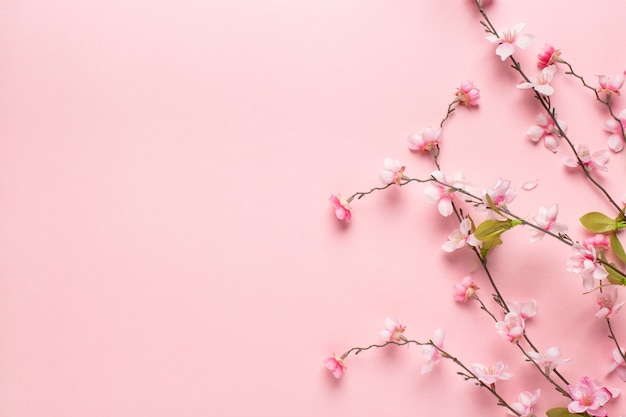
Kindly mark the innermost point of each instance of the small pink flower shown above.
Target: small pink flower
(549, 359)
(393, 172)
(342, 207)
(616, 140)
(394, 331)
(512, 327)
(431, 354)
(460, 237)
(490, 374)
(599, 242)
(525, 310)
(607, 302)
(548, 56)
(546, 219)
(542, 82)
(611, 84)
(424, 141)
(618, 365)
(525, 402)
(583, 263)
(546, 129)
(335, 365)
(467, 94)
(596, 160)
(501, 193)
(442, 195)
(466, 290)
(588, 396)
(510, 39)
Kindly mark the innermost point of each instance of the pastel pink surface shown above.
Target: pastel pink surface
(166, 242)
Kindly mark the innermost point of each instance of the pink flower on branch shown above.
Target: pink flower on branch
(431, 354)
(588, 396)
(394, 331)
(512, 327)
(424, 141)
(466, 290)
(546, 129)
(501, 193)
(342, 207)
(490, 374)
(467, 94)
(542, 82)
(393, 172)
(510, 39)
(546, 219)
(611, 84)
(607, 300)
(596, 160)
(584, 264)
(525, 310)
(460, 237)
(598, 241)
(526, 400)
(549, 359)
(335, 365)
(442, 195)
(616, 140)
(618, 365)
(548, 56)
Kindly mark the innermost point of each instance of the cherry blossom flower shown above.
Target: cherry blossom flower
(525, 402)
(548, 56)
(616, 140)
(588, 396)
(525, 310)
(583, 263)
(342, 207)
(490, 374)
(335, 365)
(512, 327)
(546, 129)
(424, 141)
(466, 290)
(546, 219)
(542, 82)
(501, 193)
(442, 195)
(618, 365)
(549, 359)
(393, 172)
(611, 84)
(510, 39)
(598, 241)
(431, 354)
(596, 160)
(460, 237)
(394, 331)
(607, 302)
(467, 94)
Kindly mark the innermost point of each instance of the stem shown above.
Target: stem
(612, 336)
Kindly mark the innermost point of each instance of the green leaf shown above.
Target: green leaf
(617, 247)
(614, 277)
(492, 205)
(560, 412)
(490, 229)
(598, 222)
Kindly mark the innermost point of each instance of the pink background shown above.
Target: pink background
(166, 243)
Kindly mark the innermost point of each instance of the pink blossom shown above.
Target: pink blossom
(596, 160)
(442, 195)
(546, 219)
(542, 82)
(512, 327)
(394, 331)
(501, 193)
(393, 172)
(335, 364)
(611, 84)
(431, 354)
(549, 359)
(465, 290)
(426, 140)
(583, 263)
(607, 302)
(525, 402)
(510, 39)
(460, 237)
(616, 140)
(342, 207)
(618, 365)
(598, 241)
(490, 374)
(525, 310)
(588, 396)
(467, 94)
(546, 129)
(548, 56)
